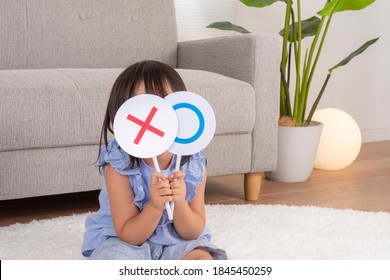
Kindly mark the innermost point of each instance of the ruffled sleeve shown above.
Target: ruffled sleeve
(121, 161)
(117, 157)
(194, 170)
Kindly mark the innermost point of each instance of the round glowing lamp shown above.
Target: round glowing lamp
(340, 139)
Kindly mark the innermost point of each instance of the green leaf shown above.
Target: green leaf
(226, 25)
(260, 3)
(355, 53)
(335, 6)
(309, 28)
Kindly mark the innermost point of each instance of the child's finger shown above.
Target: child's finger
(178, 175)
(156, 177)
(161, 184)
(164, 189)
(177, 185)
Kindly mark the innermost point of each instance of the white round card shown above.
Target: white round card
(145, 126)
(196, 122)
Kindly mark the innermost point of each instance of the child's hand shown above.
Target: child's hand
(160, 191)
(178, 187)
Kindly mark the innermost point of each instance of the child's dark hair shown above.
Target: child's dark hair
(156, 76)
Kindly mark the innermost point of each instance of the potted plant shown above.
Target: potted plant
(293, 112)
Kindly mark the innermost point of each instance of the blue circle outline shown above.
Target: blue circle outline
(201, 123)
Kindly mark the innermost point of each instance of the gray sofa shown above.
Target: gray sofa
(59, 59)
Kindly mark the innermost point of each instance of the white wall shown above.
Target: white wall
(361, 88)
(194, 15)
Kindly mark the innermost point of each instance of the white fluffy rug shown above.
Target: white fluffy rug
(244, 231)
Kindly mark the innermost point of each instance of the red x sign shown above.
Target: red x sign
(145, 125)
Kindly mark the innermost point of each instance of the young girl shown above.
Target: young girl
(132, 222)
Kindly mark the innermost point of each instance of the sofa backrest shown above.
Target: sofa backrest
(86, 33)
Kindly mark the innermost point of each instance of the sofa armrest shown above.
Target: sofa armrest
(255, 59)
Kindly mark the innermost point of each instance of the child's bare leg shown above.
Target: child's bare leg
(198, 254)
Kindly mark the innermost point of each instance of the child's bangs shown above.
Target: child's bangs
(159, 86)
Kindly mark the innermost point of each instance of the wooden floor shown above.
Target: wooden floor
(364, 185)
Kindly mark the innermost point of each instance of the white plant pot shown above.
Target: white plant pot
(297, 150)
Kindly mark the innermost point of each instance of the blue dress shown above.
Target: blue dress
(99, 225)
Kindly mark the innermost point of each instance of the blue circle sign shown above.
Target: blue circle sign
(196, 122)
(201, 123)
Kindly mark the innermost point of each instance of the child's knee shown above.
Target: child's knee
(198, 254)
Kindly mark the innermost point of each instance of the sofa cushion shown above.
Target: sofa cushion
(65, 107)
(233, 101)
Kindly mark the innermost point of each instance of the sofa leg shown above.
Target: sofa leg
(252, 185)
